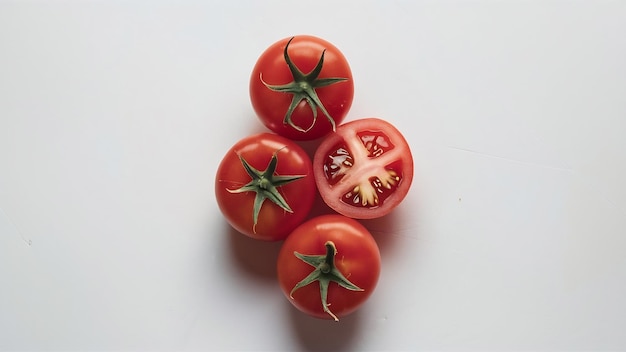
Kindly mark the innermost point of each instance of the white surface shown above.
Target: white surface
(114, 116)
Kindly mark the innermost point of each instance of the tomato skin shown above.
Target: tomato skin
(274, 223)
(271, 68)
(395, 162)
(358, 258)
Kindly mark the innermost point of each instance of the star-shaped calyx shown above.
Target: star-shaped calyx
(265, 183)
(325, 271)
(303, 88)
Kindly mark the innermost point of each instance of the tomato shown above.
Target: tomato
(301, 87)
(365, 169)
(329, 266)
(264, 186)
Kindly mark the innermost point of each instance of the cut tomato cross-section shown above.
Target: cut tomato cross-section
(365, 169)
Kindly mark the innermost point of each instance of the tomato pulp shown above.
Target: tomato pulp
(365, 169)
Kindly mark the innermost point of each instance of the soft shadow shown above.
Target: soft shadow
(310, 146)
(313, 334)
(253, 257)
(253, 128)
(388, 228)
(319, 207)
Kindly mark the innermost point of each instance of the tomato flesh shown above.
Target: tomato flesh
(338, 161)
(376, 142)
(383, 191)
(365, 169)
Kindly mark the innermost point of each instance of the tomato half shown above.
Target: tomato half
(365, 169)
(264, 186)
(301, 87)
(329, 266)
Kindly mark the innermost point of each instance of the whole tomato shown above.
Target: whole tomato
(301, 87)
(264, 186)
(364, 169)
(329, 266)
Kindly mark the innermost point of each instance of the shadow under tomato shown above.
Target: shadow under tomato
(314, 334)
(319, 207)
(310, 146)
(253, 257)
(387, 229)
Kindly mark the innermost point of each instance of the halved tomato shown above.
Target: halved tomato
(364, 169)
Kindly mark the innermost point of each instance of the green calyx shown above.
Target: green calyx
(303, 88)
(265, 184)
(324, 272)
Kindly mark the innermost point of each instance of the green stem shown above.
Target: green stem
(303, 87)
(325, 271)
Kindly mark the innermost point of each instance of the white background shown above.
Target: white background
(115, 114)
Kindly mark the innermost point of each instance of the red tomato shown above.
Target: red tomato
(365, 169)
(332, 256)
(264, 186)
(301, 87)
